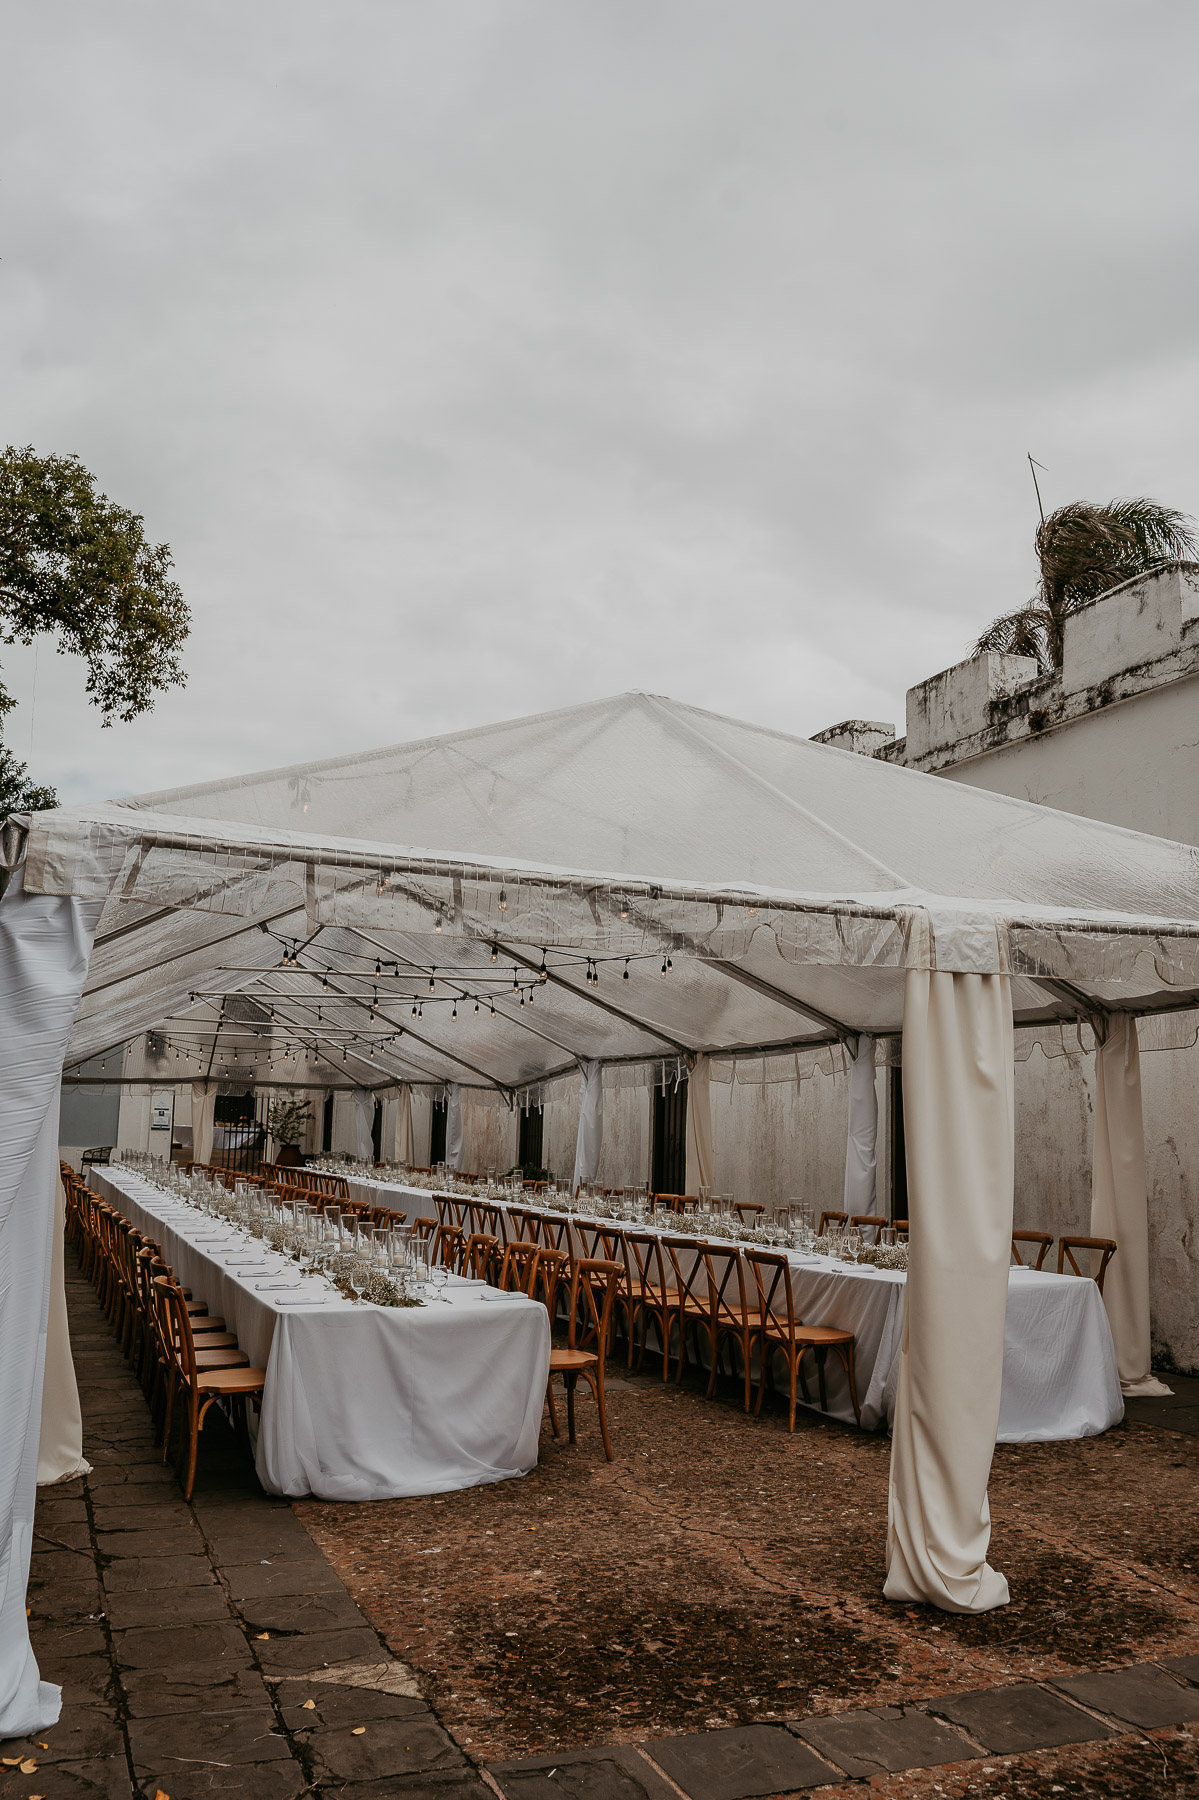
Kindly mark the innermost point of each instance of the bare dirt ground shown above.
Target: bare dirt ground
(721, 1571)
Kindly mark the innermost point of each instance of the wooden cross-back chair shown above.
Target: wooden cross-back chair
(652, 1295)
(449, 1247)
(518, 1270)
(196, 1385)
(481, 1257)
(711, 1304)
(831, 1218)
(1105, 1247)
(780, 1328)
(593, 1289)
(1042, 1239)
(749, 1211)
(868, 1222)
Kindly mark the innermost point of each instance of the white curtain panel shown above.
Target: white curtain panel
(861, 1143)
(60, 1446)
(958, 1109)
(453, 1125)
(699, 1125)
(364, 1120)
(404, 1151)
(1119, 1208)
(590, 1139)
(203, 1114)
(45, 942)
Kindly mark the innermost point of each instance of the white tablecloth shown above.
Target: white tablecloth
(1059, 1363)
(363, 1402)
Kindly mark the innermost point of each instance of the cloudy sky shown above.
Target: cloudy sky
(483, 357)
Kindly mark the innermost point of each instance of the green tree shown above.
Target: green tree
(74, 564)
(1082, 551)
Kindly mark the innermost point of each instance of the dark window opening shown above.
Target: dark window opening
(377, 1131)
(437, 1134)
(895, 1138)
(530, 1137)
(327, 1125)
(670, 1140)
(233, 1109)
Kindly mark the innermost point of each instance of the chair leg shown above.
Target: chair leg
(549, 1394)
(821, 1353)
(572, 1381)
(847, 1360)
(597, 1388)
(792, 1366)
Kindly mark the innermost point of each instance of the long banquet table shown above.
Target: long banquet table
(1060, 1378)
(361, 1402)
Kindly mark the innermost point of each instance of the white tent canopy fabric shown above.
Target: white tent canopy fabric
(618, 882)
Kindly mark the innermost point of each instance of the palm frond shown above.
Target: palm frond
(1022, 633)
(1162, 533)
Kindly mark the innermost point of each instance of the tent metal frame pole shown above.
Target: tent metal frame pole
(427, 1073)
(616, 1012)
(845, 1033)
(226, 937)
(500, 1087)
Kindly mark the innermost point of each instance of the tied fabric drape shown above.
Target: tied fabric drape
(453, 1126)
(404, 1152)
(861, 1139)
(699, 1125)
(60, 1445)
(590, 1139)
(959, 1113)
(203, 1114)
(45, 943)
(1119, 1207)
(364, 1124)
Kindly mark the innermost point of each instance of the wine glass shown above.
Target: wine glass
(852, 1242)
(358, 1275)
(439, 1275)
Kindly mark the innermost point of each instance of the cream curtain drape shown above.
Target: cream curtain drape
(60, 1447)
(1119, 1206)
(861, 1140)
(958, 1110)
(699, 1125)
(590, 1138)
(364, 1122)
(203, 1113)
(404, 1151)
(453, 1126)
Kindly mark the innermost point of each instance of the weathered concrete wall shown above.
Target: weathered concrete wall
(488, 1136)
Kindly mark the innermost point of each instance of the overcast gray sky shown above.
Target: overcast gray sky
(481, 356)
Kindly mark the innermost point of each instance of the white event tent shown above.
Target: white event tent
(617, 882)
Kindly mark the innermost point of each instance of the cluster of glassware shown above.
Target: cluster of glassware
(383, 1265)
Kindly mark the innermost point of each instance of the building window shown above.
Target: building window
(898, 1157)
(529, 1137)
(377, 1131)
(670, 1140)
(327, 1125)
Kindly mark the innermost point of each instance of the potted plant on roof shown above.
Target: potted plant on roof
(288, 1121)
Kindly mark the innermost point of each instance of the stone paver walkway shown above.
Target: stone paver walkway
(211, 1649)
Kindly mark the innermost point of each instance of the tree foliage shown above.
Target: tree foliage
(76, 565)
(1082, 551)
(17, 793)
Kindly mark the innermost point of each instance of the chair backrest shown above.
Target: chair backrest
(481, 1258)
(647, 1264)
(901, 1225)
(550, 1267)
(831, 1218)
(555, 1231)
(174, 1328)
(599, 1242)
(869, 1221)
(668, 1202)
(423, 1230)
(690, 1273)
(518, 1271)
(524, 1225)
(449, 1247)
(748, 1211)
(726, 1285)
(593, 1287)
(1041, 1238)
(1066, 1246)
(772, 1278)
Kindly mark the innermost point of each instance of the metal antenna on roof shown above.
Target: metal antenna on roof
(1033, 467)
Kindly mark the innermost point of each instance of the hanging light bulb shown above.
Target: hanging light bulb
(420, 1011)
(664, 968)
(495, 955)
(325, 983)
(543, 972)
(344, 1053)
(414, 1009)
(503, 901)
(476, 1003)
(378, 967)
(454, 1014)
(432, 972)
(626, 969)
(624, 909)
(515, 983)
(522, 996)
(437, 924)
(491, 1003)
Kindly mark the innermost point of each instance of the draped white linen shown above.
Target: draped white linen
(45, 942)
(1119, 1207)
(60, 1446)
(590, 1138)
(404, 1151)
(203, 1115)
(699, 1125)
(453, 1125)
(959, 1128)
(364, 1121)
(862, 1136)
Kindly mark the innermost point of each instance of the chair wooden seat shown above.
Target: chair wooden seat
(205, 1323)
(232, 1381)
(571, 1359)
(230, 1357)
(215, 1340)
